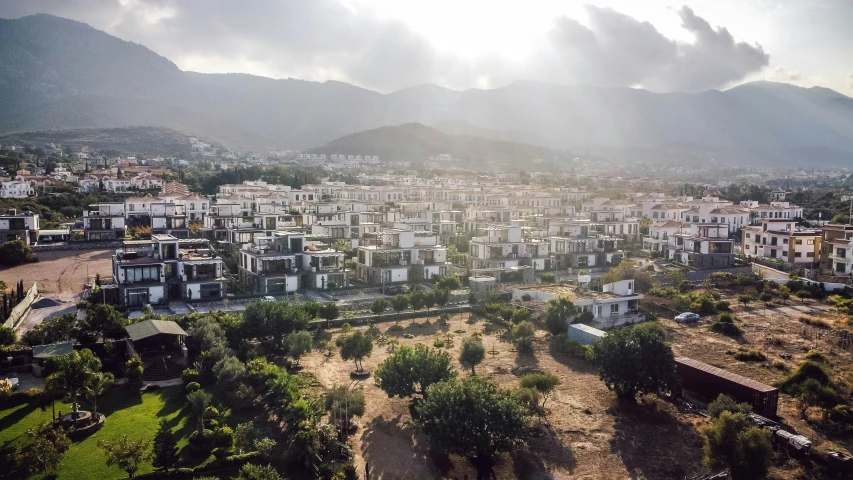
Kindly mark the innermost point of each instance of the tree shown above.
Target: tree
(102, 321)
(558, 313)
(634, 361)
(7, 336)
(411, 370)
(329, 311)
(645, 223)
(344, 403)
(522, 334)
(627, 271)
(429, 301)
(457, 414)
(199, 400)
(733, 442)
(244, 437)
(73, 372)
(274, 320)
(125, 453)
(399, 303)
(449, 282)
(441, 296)
(416, 300)
(784, 293)
(472, 354)
(15, 252)
(45, 450)
(811, 393)
(356, 347)
(542, 382)
(98, 385)
(379, 306)
(165, 455)
(745, 298)
(298, 344)
(229, 371)
(548, 277)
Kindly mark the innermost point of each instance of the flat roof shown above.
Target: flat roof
(730, 376)
(53, 350)
(588, 329)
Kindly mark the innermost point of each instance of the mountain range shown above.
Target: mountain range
(57, 74)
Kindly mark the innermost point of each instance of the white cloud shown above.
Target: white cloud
(326, 39)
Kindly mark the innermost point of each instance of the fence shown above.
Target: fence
(76, 246)
(20, 311)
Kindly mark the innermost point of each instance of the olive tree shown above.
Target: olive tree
(411, 370)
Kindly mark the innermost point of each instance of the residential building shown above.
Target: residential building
(19, 226)
(782, 240)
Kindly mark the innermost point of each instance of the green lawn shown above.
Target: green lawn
(129, 414)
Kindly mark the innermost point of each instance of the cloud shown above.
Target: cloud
(619, 50)
(850, 79)
(327, 39)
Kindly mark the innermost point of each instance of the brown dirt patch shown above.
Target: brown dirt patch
(61, 271)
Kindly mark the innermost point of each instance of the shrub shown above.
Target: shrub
(526, 297)
(192, 387)
(814, 322)
(201, 442)
(223, 437)
(220, 452)
(809, 369)
(723, 306)
(725, 403)
(725, 324)
(548, 277)
(563, 344)
(780, 365)
(749, 356)
(815, 356)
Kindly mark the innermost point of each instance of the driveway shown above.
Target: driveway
(46, 308)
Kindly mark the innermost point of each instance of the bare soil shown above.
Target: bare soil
(585, 434)
(61, 272)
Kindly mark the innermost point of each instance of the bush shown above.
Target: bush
(779, 365)
(563, 344)
(725, 403)
(815, 356)
(809, 369)
(725, 324)
(548, 277)
(749, 356)
(223, 437)
(192, 387)
(526, 297)
(16, 252)
(814, 322)
(723, 306)
(201, 443)
(189, 375)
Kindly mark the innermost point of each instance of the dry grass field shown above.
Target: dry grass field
(586, 432)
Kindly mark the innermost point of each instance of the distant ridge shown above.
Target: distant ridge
(57, 73)
(414, 141)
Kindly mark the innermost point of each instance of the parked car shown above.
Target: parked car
(268, 299)
(687, 317)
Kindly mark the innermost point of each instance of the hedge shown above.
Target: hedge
(231, 462)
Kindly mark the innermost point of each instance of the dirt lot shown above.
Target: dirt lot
(61, 272)
(585, 434)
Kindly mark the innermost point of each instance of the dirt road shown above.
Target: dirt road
(61, 272)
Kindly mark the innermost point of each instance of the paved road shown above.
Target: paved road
(38, 315)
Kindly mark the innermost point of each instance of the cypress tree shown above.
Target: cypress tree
(165, 448)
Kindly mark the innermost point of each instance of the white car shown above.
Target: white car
(268, 299)
(687, 317)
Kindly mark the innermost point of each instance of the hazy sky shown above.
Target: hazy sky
(390, 44)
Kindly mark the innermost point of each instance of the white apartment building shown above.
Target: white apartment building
(782, 240)
(16, 189)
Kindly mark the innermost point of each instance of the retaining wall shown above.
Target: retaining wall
(20, 311)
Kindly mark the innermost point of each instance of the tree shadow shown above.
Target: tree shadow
(16, 417)
(652, 442)
(387, 445)
(173, 401)
(576, 364)
(543, 454)
(118, 399)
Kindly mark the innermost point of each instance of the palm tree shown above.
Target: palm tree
(199, 400)
(74, 371)
(98, 385)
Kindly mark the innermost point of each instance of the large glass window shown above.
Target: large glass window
(137, 297)
(142, 274)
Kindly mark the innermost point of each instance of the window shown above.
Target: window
(614, 308)
(137, 297)
(810, 254)
(141, 274)
(799, 242)
(784, 241)
(809, 242)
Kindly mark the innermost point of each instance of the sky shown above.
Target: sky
(386, 45)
